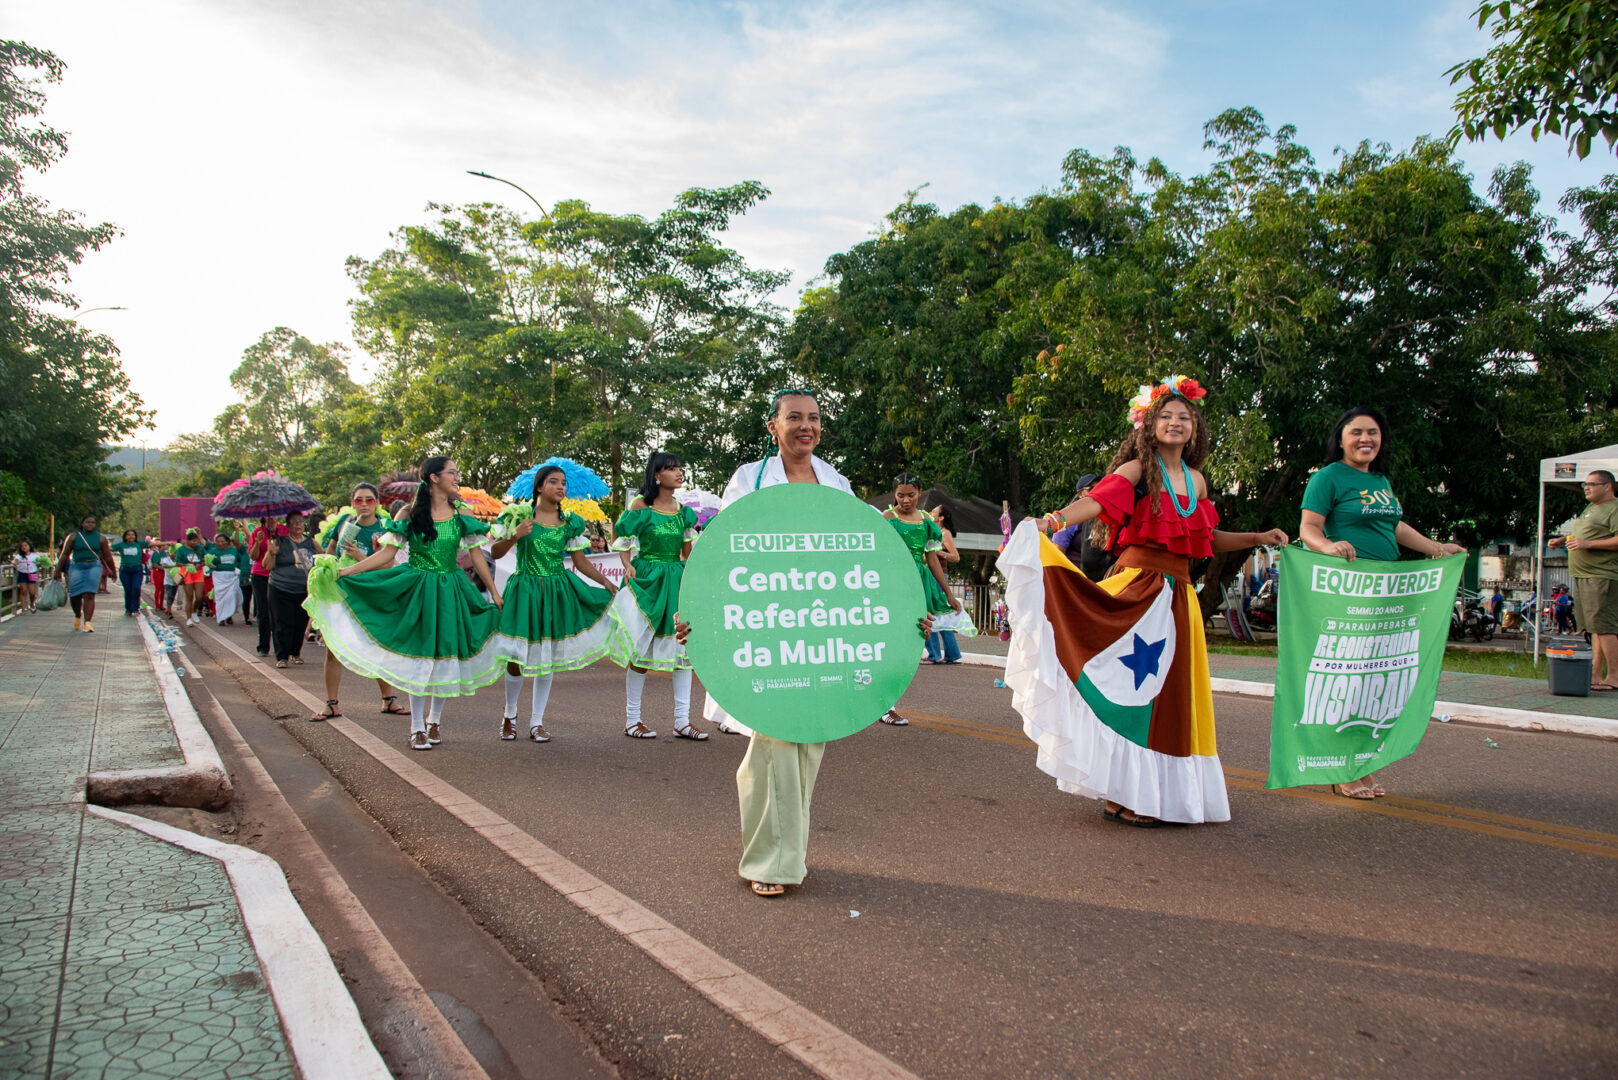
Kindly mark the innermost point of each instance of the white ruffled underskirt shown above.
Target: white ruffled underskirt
(423, 676)
(642, 645)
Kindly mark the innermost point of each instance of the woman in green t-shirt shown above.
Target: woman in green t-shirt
(131, 550)
(1349, 510)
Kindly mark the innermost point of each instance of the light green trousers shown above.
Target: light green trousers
(774, 783)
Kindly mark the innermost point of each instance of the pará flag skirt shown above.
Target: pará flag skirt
(1111, 679)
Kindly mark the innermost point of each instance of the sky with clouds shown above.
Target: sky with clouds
(247, 149)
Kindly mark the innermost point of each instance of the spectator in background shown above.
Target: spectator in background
(1497, 604)
(1592, 559)
(941, 644)
(1092, 560)
(1562, 604)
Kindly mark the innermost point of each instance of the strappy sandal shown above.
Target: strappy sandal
(434, 736)
(1133, 819)
(892, 717)
(508, 729)
(390, 706)
(640, 731)
(1357, 793)
(689, 732)
(418, 741)
(331, 712)
(768, 888)
(537, 734)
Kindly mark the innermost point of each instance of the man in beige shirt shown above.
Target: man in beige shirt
(1592, 560)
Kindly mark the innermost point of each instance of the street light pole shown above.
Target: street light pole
(86, 311)
(547, 216)
(489, 176)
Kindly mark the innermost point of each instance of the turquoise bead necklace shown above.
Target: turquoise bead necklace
(1190, 488)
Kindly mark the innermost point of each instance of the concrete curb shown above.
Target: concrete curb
(322, 1025)
(399, 987)
(1491, 715)
(201, 782)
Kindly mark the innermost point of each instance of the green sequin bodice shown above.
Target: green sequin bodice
(436, 556)
(542, 552)
(661, 536)
(917, 535)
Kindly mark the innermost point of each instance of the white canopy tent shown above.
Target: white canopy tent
(1568, 471)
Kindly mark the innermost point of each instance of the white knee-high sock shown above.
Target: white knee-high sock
(682, 697)
(436, 710)
(418, 714)
(513, 691)
(634, 683)
(542, 697)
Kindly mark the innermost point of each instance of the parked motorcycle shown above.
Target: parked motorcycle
(1261, 607)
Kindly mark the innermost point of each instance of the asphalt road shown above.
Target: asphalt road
(1463, 927)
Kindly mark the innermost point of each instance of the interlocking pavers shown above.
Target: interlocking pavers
(120, 954)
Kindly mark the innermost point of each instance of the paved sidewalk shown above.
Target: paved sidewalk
(120, 955)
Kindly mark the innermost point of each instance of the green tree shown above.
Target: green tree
(918, 336)
(287, 383)
(584, 333)
(66, 395)
(1294, 293)
(1554, 69)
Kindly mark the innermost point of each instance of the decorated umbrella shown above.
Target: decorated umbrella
(267, 494)
(588, 509)
(400, 485)
(480, 504)
(705, 503)
(232, 486)
(582, 481)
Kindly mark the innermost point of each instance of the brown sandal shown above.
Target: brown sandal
(390, 706)
(768, 888)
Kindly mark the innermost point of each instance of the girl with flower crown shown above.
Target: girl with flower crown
(1111, 678)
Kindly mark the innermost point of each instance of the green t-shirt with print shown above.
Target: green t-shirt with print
(225, 559)
(1596, 523)
(1359, 507)
(129, 553)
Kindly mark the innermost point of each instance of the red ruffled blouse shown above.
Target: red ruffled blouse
(1133, 523)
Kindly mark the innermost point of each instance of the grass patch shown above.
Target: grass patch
(1510, 664)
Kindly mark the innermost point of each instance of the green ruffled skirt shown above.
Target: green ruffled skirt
(944, 618)
(556, 622)
(427, 634)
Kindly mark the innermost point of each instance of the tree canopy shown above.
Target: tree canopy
(66, 394)
(1553, 70)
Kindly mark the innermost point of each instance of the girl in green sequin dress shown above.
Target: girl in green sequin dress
(551, 621)
(925, 540)
(654, 540)
(421, 626)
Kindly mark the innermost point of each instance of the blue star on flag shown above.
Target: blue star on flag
(1144, 660)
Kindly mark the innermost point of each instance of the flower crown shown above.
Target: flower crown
(1182, 385)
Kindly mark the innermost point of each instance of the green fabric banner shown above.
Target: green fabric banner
(1361, 648)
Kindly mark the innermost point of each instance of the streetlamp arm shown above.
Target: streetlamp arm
(490, 176)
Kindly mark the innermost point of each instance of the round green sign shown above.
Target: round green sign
(803, 605)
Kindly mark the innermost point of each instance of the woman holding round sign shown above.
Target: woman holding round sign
(1349, 510)
(551, 620)
(1111, 677)
(797, 612)
(654, 540)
